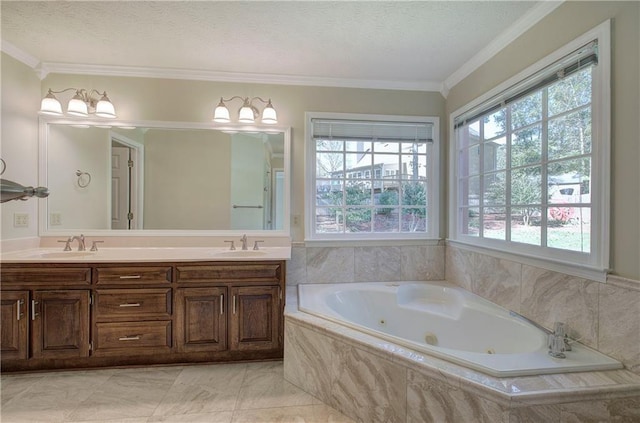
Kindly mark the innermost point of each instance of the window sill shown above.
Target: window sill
(370, 242)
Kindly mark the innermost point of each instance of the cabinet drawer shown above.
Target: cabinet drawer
(132, 336)
(267, 272)
(133, 303)
(38, 276)
(132, 275)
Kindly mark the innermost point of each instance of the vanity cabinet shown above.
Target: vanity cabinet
(14, 327)
(133, 310)
(255, 318)
(201, 319)
(60, 324)
(45, 313)
(112, 314)
(234, 306)
(132, 321)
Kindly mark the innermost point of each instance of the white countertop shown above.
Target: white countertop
(145, 254)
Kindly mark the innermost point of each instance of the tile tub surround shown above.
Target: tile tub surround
(604, 316)
(371, 380)
(365, 264)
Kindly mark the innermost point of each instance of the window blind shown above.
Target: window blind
(353, 130)
(575, 61)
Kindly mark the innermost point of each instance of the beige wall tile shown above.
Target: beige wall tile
(330, 265)
(369, 388)
(619, 325)
(549, 297)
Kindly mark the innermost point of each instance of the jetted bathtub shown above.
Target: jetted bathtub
(447, 322)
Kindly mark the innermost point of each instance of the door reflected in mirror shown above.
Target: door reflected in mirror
(164, 178)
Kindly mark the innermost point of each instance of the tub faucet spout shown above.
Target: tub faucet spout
(558, 341)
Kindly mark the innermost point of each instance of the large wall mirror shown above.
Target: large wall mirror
(168, 178)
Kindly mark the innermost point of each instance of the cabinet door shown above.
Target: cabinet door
(60, 324)
(255, 324)
(201, 319)
(15, 325)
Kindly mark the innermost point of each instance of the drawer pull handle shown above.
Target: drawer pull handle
(130, 276)
(130, 338)
(130, 305)
(221, 303)
(234, 304)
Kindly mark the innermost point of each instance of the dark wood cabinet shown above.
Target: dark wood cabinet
(255, 319)
(60, 324)
(201, 319)
(132, 320)
(240, 304)
(14, 327)
(78, 315)
(45, 312)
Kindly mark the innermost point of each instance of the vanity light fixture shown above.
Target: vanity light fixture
(247, 113)
(81, 104)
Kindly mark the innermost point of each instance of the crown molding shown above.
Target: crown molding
(20, 55)
(514, 31)
(45, 68)
(253, 78)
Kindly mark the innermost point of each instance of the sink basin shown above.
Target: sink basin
(66, 254)
(241, 253)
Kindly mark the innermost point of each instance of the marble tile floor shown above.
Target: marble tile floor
(212, 393)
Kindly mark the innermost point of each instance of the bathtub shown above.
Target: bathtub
(448, 322)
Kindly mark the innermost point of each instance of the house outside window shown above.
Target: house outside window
(391, 187)
(530, 165)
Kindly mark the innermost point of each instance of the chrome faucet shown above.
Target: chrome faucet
(244, 242)
(81, 246)
(558, 341)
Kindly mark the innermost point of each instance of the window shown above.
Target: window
(531, 163)
(390, 188)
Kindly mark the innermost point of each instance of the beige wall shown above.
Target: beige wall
(567, 22)
(19, 142)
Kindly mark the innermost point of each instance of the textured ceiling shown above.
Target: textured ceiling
(423, 41)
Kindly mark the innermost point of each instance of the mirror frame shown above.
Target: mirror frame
(43, 139)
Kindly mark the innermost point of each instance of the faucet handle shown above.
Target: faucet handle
(233, 245)
(255, 244)
(67, 245)
(560, 329)
(94, 245)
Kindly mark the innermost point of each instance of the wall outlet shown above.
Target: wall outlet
(296, 219)
(21, 220)
(55, 219)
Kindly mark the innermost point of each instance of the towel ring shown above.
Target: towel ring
(84, 178)
(3, 165)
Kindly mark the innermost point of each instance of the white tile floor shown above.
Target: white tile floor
(216, 393)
